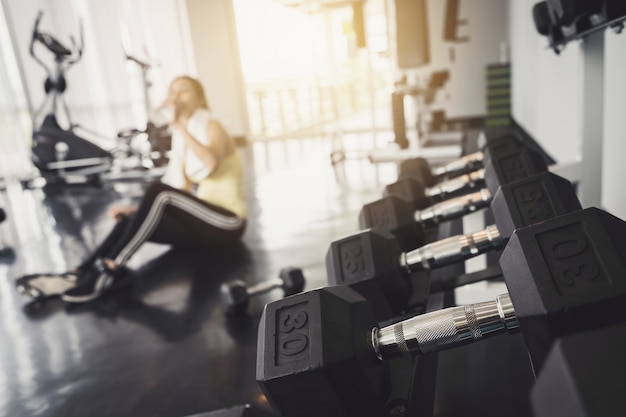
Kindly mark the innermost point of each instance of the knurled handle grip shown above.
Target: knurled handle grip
(456, 184)
(460, 164)
(453, 208)
(451, 250)
(444, 329)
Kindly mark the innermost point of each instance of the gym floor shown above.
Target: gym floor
(163, 347)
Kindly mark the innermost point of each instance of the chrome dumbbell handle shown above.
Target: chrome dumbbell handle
(459, 183)
(452, 249)
(453, 208)
(265, 286)
(444, 329)
(460, 164)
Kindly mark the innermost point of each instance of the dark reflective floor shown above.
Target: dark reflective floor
(164, 346)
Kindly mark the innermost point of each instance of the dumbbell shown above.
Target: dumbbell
(401, 218)
(319, 353)
(324, 353)
(413, 182)
(568, 12)
(235, 295)
(372, 261)
(3, 246)
(569, 268)
(493, 141)
(423, 191)
(542, 17)
(559, 20)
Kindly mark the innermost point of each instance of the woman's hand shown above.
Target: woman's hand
(118, 213)
(180, 125)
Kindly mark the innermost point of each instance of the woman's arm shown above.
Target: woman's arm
(211, 154)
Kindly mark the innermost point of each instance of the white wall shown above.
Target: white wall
(214, 39)
(486, 28)
(614, 152)
(548, 100)
(547, 89)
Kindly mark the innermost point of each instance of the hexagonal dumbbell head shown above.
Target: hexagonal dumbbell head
(293, 280)
(313, 358)
(234, 297)
(528, 201)
(511, 166)
(316, 350)
(522, 203)
(566, 275)
(492, 137)
(503, 147)
(460, 184)
(566, 12)
(396, 216)
(542, 18)
(410, 189)
(418, 168)
(491, 141)
(532, 200)
(368, 261)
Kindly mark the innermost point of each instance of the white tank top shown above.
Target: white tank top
(223, 187)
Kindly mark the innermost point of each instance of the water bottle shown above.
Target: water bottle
(162, 115)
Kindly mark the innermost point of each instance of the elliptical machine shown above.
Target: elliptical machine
(60, 154)
(158, 137)
(6, 251)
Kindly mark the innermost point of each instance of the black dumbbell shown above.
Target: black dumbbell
(414, 190)
(5, 250)
(322, 352)
(566, 274)
(374, 264)
(400, 217)
(542, 18)
(568, 12)
(493, 141)
(235, 295)
(412, 186)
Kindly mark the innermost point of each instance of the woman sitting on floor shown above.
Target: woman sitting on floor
(199, 200)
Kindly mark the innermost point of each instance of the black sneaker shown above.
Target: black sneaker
(94, 282)
(39, 286)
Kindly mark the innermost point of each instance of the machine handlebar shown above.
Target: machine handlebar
(62, 54)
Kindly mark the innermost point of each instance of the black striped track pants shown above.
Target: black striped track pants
(170, 216)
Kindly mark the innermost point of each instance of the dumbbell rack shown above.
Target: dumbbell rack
(564, 270)
(422, 394)
(417, 377)
(461, 376)
(413, 384)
